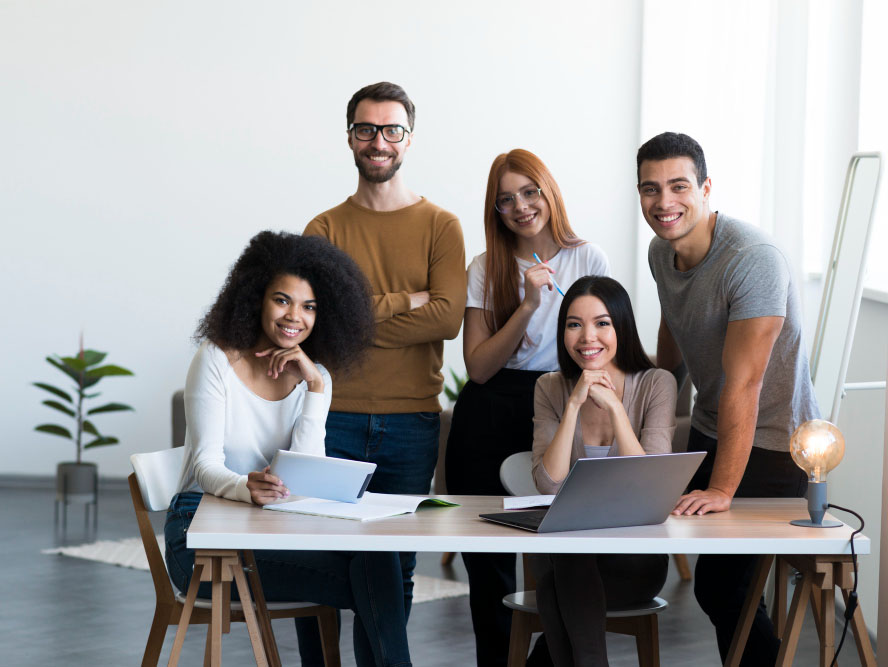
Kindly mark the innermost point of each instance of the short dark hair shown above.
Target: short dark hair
(381, 92)
(669, 145)
(344, 324)
(630, 357)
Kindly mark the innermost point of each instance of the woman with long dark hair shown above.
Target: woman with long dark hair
(607, 394)
(292, 309)
(508, 342)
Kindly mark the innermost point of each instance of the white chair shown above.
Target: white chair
(152, 487)
(639, 621)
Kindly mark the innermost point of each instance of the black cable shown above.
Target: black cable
(851, 605)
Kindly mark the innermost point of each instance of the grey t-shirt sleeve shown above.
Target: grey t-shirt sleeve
(757, 283)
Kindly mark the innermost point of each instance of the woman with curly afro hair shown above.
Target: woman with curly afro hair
(292, 309)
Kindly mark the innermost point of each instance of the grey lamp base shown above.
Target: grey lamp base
(826, 523)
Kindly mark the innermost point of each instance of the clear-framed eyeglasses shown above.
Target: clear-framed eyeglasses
(505, 203)
(394, 134)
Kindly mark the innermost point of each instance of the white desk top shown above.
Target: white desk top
(752, 526)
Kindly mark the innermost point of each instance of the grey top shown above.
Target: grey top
(744, 275)
(648, 398)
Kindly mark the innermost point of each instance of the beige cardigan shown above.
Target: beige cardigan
(648, 397)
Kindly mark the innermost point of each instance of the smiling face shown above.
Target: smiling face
(671, 201)
(524, 220)
(589, 335)
(378, 160)
(288, 311)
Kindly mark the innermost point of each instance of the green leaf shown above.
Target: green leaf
(60, 407)
(98, 393)
(75, 363)
(89, 427)
(103, 371)
(92, 357)
(54, 390)
(100, 442)
(70, 372)
(110, 407)
(53, 429)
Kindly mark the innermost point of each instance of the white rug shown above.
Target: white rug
(129, 553)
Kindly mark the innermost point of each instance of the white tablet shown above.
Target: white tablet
(321, 476)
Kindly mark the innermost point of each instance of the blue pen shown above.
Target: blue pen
(554, 282)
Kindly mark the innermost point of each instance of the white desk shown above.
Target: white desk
(753, 526)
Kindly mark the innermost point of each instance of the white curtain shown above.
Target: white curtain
(770, 89)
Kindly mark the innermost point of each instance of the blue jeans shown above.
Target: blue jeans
(369, 583)
(404, 448)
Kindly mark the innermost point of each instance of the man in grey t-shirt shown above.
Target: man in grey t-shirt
(730, 313)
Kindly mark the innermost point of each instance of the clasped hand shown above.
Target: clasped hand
(597, 386)
(265, 488)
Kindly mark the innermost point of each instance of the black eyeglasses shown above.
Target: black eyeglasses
(394, 134)
(506, 203)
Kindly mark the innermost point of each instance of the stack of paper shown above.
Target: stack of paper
(526, 502)
(370, 506)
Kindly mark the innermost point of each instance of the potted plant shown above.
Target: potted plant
(451, 393)
(76, 478)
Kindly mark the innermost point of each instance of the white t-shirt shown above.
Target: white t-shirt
(231, 431)
(537, 351)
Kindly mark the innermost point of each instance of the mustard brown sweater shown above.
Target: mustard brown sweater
(413, 249)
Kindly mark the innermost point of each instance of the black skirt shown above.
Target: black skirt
(491, 421)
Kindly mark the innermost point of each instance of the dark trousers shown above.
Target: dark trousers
(404, 448)
(574, 592)
(490, 422)
(721, 582)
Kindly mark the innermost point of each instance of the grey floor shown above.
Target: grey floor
(60, 610)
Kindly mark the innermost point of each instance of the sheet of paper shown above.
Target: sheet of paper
(371, 506)
(526, 502)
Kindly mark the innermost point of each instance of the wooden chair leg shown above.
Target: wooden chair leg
(519, 640)
(208, 648)
(681, 564)
(447, 558)
(185, 616)
(647, 641)
(154, 645)
(329, 630)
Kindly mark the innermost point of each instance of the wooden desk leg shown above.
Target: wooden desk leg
(185, 617)
(753, 596)
(215, 627)
(249, 613)
(268, 639)
(827, 624)
(861, 635)
(778, 612)
(790, 638)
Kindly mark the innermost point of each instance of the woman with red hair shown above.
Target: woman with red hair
(508, 342)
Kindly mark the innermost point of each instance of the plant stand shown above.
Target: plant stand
(77, 483)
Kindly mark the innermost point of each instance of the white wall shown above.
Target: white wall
(857, 482)
(142, 145)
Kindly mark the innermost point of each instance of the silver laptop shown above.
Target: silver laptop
(611, 492)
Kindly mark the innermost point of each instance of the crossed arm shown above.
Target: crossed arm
(745, 356)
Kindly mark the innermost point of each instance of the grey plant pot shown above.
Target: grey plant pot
(77, 482)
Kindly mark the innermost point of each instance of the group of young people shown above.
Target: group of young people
(367, 295)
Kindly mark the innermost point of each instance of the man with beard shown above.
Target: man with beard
(412, 252)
